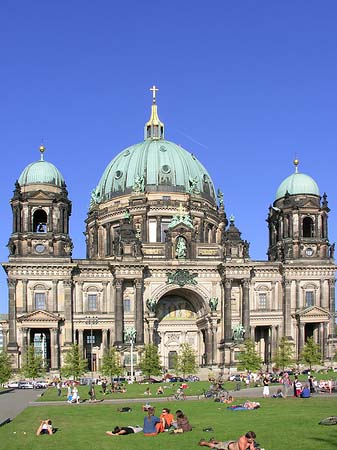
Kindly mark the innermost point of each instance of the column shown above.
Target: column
(300, 338)
(80, 342)
(119, 312)
(321, 293)
(24, 348)
(274, 343)
(104, 300)
(12, 344)
(252, 332)
(139, 311)
(245, 307)
(325, 341)
(54, 295)
(24, 295)
(321, 339)
(158, 218)
(287, 308)
(228, 310)
(105, 340)
(68, 324)
(332, 305)
(298, 295)
(54, 349)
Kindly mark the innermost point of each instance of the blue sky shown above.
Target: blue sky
(244, 85)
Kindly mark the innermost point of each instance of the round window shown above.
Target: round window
(165, 168)
(39, 248)
(118, 174)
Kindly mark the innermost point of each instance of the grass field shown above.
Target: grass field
(279, 425)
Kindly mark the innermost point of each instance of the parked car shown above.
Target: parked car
(150, 380)
(12, 384)
(236, 377)
(25, 385)
(40, 384)
(305, 371)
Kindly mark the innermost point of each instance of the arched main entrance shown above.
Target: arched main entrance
(180, 320)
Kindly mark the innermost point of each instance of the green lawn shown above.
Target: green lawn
(279, 425)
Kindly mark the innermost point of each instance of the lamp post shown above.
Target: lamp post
(91, 320)
(130, 336)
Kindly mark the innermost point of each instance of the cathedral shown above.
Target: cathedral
(164, 264)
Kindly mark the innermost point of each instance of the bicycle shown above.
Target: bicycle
(177, 396)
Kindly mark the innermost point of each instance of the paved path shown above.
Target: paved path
(14, 401)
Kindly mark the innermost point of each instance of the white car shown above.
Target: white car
(25, 385)
(12, 384)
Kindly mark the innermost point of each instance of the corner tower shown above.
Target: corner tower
(41, 211)
(298, 221)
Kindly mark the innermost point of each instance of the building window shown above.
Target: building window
(92, 302)
(127, 305)
(308, 227)
(90, 338)
(164, 227)
(152, 230)
(40, 300)
(309, 298)
(262, 301)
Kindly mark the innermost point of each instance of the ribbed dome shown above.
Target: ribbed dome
(162, 166)
(41, 172)
(297, 183)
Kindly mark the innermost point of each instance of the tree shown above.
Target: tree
(186, 360)
(5, 367)
(311, 353)
(74, 365)
(33, 364)
(249, 359)
(111, 363)
(150, 362)
(284, 355)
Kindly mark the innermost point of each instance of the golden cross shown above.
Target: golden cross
(154, 90)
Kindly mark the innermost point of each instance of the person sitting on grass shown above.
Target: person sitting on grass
(182, 424)
(147, 391)
(150, 421)
(45, 427)
(278, 394)
(160, 390)
(245, 442)
(120, 431)
(305, 392)
(166, 420)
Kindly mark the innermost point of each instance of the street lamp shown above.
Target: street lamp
(130, 336)
(91, 320)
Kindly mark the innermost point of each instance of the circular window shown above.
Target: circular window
(162, 148)
(39, 248)
(165, 168)
(309, 251)
(126, 153)
(118, 174)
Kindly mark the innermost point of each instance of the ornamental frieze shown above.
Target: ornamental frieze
(181, 277)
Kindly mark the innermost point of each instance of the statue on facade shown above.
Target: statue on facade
(139, 185)
(213, 303)
(332, 250)
(130, 335)
(127, 216)
(220, 197)
(193, 189)
(94, 198)
(239, 333)
(151, 304)
(181, 248)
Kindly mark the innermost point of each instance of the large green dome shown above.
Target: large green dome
(154, 165)
(163, 166)
(297, 183)
(41, 172)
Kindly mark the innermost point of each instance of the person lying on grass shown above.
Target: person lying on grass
(45, 427)
(120, 431)
(245, 442)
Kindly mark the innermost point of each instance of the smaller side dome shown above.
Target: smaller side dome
(296, 184)
(41, 172)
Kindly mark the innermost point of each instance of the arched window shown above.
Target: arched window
(308, 227)
(40, 221)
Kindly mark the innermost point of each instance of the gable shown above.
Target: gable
(313, 314)
(39, 316)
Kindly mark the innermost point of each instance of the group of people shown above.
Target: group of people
(154, 425)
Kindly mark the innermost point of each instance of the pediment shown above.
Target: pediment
(40, 316)
(40, 195)
(313, 312)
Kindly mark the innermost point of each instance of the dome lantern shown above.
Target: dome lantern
(154, 128)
